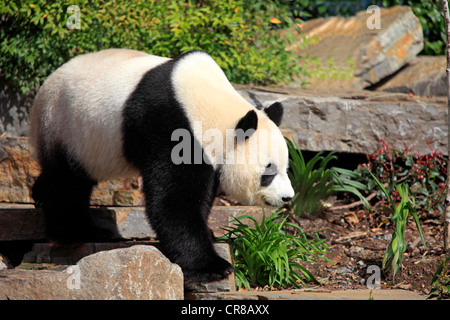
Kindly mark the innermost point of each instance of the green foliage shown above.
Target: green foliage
(441, 282)
(240, 35)
(329, 69)
(392, 259)
(430, 15)
(309, 9)
(267, 255)
(313, 182)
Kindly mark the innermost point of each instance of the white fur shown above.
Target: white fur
(81, 104)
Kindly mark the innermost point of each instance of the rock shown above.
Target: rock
(21, 224)
(424, 76)
(4, 263)
(19, 170)
(126, 223)
(352, 55)
(45, 254)
(118, 193)
(221, 216)
(355, 121)
(135, 273)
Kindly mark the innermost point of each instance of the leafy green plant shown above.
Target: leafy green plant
(266, 255)
(313, 182)
(239, 35)
(441, 282)
(392, 259)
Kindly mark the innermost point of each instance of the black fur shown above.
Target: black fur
(275, 112)
(246, 126)
(63, 190)
(178, 197)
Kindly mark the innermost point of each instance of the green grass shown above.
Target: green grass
(266, 255)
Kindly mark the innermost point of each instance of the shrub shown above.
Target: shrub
(240, 35)
(267, 255)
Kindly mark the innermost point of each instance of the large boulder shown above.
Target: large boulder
(135, 273)
(353, 53)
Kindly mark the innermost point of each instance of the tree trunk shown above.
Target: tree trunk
(447, 215)
(447, 195)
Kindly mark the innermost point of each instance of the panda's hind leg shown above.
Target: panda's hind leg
(63, 191)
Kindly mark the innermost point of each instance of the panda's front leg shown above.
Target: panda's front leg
(178, 202)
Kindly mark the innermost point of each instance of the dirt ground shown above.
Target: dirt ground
(358, 239)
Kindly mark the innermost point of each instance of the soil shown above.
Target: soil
(358, 239)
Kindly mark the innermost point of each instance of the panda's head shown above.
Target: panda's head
(255, 170)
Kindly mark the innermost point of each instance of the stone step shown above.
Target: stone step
(125, 223)
(46, 255)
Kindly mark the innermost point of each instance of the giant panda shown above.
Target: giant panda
(113, 113)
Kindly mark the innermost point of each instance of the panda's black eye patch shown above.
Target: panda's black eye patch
(269, 174)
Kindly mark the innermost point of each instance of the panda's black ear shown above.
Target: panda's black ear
(247, 125)
(275, 112)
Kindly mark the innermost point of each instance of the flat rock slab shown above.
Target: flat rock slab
(138, 272)
(126, 223)
(378, 294)
(354, 53)
(355, 121)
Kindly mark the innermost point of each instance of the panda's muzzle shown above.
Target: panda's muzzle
(284, 199)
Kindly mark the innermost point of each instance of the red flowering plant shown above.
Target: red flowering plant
(425, 175)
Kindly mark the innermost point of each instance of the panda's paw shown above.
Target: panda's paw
(215, 270)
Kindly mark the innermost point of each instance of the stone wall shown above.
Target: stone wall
(356, 121)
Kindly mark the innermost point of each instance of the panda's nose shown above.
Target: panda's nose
(286, 199)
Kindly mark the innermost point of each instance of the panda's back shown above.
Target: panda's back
(80, 108)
